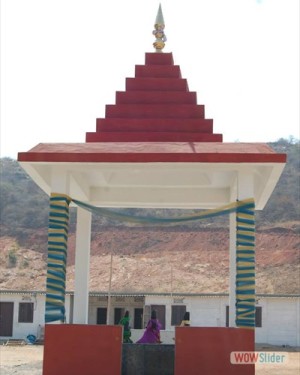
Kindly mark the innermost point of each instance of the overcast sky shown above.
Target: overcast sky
(63, 60)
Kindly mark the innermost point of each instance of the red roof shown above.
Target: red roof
(157, 106)
(157, 119)
(153, 152)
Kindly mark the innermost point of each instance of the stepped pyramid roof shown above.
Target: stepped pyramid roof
(156, 120)
(157, 106)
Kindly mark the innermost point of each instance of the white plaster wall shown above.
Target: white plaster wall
(162, 300)
(128, 303)
(280, 321)
(204, 312)
(280, 315)
(208, 312)
(22, 330)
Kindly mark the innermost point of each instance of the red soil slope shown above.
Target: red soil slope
(161, 261)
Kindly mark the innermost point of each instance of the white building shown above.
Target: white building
(277, 316)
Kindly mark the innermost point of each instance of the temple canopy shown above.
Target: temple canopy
(154, 148)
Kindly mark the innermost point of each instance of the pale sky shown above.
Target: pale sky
(63, 60)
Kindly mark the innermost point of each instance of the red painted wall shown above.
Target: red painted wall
(201, 350)
(75, 349)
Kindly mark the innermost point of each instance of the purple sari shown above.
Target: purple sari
(151, 334)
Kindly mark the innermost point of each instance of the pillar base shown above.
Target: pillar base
(201, 350)
(82, 349)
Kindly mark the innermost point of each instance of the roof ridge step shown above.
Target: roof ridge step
(152, 137)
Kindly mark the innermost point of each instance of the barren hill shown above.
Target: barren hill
(161, 260)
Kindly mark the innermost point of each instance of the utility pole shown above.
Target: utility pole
(171, 281)
(109, 290)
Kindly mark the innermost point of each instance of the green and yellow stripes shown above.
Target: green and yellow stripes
(57, 257)
(245, 266)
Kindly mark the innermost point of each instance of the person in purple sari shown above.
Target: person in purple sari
(152, 331)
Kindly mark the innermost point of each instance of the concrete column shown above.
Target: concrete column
(59, 181)
(243, 189)
(56, 311)
(82, 266)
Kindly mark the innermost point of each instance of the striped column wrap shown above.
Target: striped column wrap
(57, 257)
(245, 266)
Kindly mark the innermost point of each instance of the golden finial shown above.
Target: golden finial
(159, 31)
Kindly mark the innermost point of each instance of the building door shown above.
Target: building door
(101, 315)
(161, 314)
(178, 312)
(138, 318)
(6, 318)
(119, 312)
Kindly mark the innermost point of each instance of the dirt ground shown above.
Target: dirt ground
(291, 367)
(28, 360)
(21, 360)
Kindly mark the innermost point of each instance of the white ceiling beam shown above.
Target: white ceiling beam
(79, 188)
(159, 197)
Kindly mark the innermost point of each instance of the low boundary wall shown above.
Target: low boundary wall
(75, 349)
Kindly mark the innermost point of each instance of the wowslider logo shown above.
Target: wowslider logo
(250, 358)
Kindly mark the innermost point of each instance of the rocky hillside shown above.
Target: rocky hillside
(161, 260)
